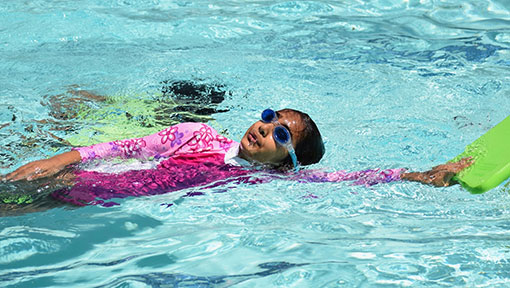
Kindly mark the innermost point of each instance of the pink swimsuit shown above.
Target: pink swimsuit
(194, 155)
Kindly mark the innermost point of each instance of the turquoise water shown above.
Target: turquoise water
(389, 83)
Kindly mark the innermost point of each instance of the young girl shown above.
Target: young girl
(193, 154)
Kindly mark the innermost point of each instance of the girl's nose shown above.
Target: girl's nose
(265, 129)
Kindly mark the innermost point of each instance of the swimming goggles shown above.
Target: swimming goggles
(280, 134)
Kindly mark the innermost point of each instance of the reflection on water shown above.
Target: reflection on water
(79, 118)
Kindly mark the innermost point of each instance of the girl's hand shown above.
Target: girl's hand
(43, 168)
(440, 176)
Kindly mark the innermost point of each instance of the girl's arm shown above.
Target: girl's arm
(366, 177)
(180, 138)
(44, 168)
(161, 144)
(440, 176)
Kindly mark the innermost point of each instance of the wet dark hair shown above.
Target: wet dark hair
(310, 148)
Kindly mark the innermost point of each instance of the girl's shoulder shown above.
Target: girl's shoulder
(192, 127)
(197, 137)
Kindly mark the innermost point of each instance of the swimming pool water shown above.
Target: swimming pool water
(389, 83)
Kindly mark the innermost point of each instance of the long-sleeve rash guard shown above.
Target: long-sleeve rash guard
(193, 155)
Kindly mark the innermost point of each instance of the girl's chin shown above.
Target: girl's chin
(246, 145)
(244, 151)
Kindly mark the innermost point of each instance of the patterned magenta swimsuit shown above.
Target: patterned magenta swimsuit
(193, 155)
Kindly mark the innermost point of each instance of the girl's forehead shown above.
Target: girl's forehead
(293, 121)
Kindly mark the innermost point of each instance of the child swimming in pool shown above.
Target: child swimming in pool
(194, 154)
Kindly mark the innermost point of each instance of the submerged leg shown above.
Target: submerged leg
(39, 205)
(20, 197)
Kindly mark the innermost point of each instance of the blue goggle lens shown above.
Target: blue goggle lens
(281, 135)
(268, 116)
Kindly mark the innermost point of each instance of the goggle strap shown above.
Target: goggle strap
(293, 156)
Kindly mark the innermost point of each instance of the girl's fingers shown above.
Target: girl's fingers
(35, 176)
(447, 178)
(12, 176)
(41, 173)
(20, 171)
(466, 162)
(36, 173)
(24, 172)
(455, 167)
(463, 164)
(21, 176)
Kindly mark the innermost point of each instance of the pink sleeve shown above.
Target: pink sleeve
(178, 139)
(366, 177)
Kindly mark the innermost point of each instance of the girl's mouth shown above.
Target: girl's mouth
(252, 138)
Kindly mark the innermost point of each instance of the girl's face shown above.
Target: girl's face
(258, 144)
